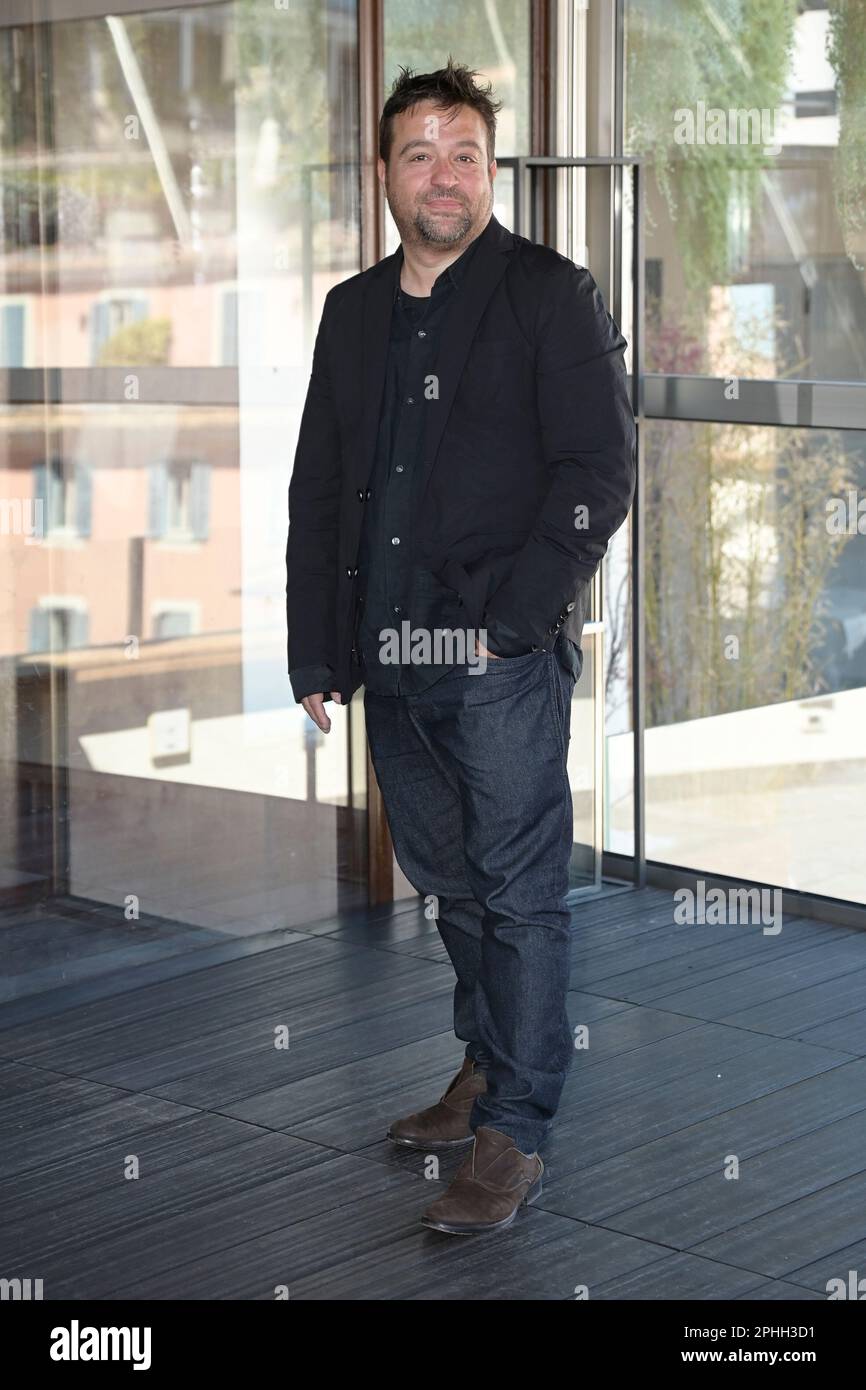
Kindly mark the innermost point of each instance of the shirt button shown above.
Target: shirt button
(410, 400)
(421, 333)
(399, 468)
(397, 608)
(395, 540)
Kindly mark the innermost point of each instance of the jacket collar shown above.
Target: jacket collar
(455, 272)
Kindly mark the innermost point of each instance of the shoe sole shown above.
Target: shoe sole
(429, 1144)
(468, 1228)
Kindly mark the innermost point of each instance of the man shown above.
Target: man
(465, 453)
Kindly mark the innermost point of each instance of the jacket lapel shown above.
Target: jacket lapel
(375, 341)
(486, 268)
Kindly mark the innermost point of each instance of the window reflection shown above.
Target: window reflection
(180, 191)
(756, 656)
(756, 216)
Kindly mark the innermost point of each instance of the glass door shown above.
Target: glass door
(585, 208)
(180, 189)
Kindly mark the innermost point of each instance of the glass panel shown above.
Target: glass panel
(756, 655)
(157, 139)
(180, 190)
(750, 119)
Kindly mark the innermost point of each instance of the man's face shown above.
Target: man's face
(438, 183)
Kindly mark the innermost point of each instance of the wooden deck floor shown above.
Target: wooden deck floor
(260, 1167)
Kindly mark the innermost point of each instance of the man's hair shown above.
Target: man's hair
(448, 88)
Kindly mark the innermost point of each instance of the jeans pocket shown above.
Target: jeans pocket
(511, 663)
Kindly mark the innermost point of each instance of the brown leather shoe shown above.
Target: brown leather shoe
(444, 1125)
(489, 1186)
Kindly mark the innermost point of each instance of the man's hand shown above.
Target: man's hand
(481, 650)
(315, 707)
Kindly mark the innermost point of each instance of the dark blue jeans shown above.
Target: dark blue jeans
(474, 781)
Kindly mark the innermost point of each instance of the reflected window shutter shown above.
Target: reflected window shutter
(230, 329)
(40, 495)
(158, 500)
(39, 630)
(79, 628)
(199, 500)
(12, 335)
(83, 496)
(99, 330)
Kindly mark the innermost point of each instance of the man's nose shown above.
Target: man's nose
(443, 176)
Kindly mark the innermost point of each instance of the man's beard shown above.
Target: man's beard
(441, 230)
(420, 226)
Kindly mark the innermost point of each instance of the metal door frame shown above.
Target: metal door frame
(531, 204)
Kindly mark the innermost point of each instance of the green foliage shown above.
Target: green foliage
(733, 55)
(737, 551)
(846, 50)
(146, 343)
(736, 548)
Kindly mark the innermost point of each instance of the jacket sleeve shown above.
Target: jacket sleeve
(588, 436)
(311, 680)
(314, 516)
(500, 639)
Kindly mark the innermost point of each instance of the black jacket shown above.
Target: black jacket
(528, 464)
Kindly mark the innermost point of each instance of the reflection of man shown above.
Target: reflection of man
(465, 454)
